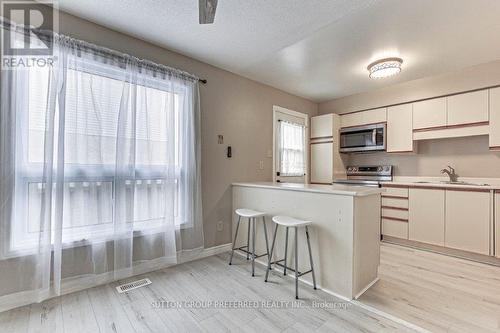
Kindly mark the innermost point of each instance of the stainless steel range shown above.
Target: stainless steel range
(368, 175)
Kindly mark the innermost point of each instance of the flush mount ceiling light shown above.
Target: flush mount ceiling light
(385, 67)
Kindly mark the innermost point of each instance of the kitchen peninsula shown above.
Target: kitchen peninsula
(345, 233)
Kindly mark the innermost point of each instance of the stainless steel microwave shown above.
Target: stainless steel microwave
(363, 138)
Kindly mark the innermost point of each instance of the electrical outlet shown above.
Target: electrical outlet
(220, 225)
(261, 165)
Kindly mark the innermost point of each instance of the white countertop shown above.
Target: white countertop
(489, 184)
(337, 189)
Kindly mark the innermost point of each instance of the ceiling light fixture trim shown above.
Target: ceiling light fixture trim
(385, 67)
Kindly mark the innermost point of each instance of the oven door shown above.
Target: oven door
(362, 138)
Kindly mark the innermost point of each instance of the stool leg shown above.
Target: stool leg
(234, 242)
(254, 220)
(265, 234)
(271, 254)
(248, 238)
(296, 265)
(286, 250)
(310, 258)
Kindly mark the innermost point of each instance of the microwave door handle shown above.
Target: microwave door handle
(374, 137)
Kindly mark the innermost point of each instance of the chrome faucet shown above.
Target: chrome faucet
(451, 173)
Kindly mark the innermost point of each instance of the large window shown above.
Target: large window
(103, 142)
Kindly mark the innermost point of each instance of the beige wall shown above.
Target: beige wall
(470, 156)
(238, 108)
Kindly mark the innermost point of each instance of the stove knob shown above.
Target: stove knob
(349, 169)
(380, 169)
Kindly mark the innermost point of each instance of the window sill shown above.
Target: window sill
(18, 253)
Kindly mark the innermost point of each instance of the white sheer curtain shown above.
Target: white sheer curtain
(100, 174)
(291, 149)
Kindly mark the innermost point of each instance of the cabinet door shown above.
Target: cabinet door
(495, 118)
(468, 108)
(400, 129)
(322, 126)
(497, 224)
(322, 163)
(468, 221)
(426, 216)
(363, 118)
(429, 114)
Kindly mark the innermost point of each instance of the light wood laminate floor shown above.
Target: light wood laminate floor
(102, 309)
(436, 292)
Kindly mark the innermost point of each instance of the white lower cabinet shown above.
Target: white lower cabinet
(497, 224)
(394, 228)
(427, 216)
(468, 221)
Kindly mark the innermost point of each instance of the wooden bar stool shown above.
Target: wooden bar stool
(290, 222)
(252, 216)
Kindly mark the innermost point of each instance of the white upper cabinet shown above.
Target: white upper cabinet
(322, 126)
(430, 113)
(467, 224)
(468, 108)
(364, 117)
(399, 129)
(495, 119)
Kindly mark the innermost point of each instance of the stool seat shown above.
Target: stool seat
(288, 221)
(243, 212)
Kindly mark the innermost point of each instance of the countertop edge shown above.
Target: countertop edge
(364, 192)
(443, 186)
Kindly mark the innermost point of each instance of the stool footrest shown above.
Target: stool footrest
(248, 252)
(299, 274)
(309, 271)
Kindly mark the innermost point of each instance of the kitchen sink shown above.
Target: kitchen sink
(463, 183)
(451, 183)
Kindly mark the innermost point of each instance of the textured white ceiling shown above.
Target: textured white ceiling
(318, 49)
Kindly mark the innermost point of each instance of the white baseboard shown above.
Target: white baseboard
(190, 255)
(366, 288)
(16, 300)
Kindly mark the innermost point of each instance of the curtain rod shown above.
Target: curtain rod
(6, 24)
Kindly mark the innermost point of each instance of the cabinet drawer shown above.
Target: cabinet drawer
(395, 202)
(396, 192)
(394, 228)
(395, 213)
